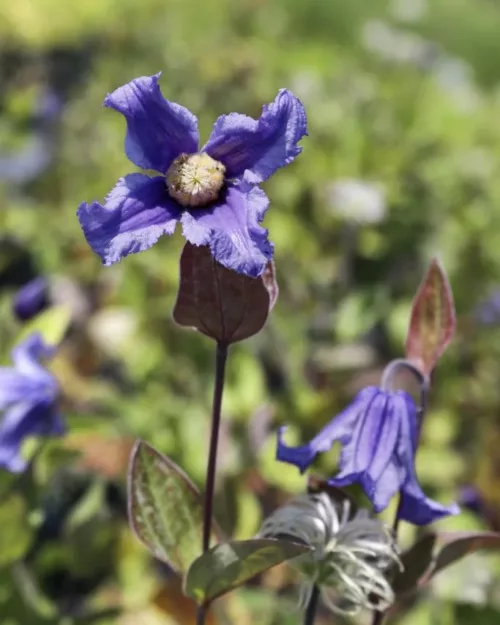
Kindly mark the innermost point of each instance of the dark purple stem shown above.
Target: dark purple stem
(220, 368)
(221, 353)
(312, 605)
(200, 616)
(424, 381)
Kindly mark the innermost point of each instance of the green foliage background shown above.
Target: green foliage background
(411, 105)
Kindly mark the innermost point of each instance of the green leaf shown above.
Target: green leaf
(30, 594)
(52, 324)
(416, 562)
(228, 565)
(165, 508)
(477, 614)
(15, 534)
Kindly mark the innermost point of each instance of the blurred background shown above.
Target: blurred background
(402, 163)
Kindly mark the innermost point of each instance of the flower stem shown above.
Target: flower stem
(220, 368)
(221, 353)
(310, 613)
(200, 616)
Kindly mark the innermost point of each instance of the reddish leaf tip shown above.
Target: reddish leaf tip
(432, 319)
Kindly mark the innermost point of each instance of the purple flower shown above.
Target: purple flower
(470, 498)
(28, 395)
(378, 432)
(487, 313)
(212, 192)
(31, 299)
(36, 155)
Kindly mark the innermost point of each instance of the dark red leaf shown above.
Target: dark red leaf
(416, 561)
(224, 305)
(432, 321)
(456, 545)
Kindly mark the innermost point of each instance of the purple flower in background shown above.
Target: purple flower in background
(378, 432)
(31, 299)
(470, 498)
(28, 395)
(212, 192)
(488, 312)
(36, 155)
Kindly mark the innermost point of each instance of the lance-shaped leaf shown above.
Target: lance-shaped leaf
(16, 533)
(229, 565)
(165, 508)
(224, 305)
(432, 321)
(416, 562)
(456, 545)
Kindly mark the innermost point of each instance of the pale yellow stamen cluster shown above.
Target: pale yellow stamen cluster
(195, 180)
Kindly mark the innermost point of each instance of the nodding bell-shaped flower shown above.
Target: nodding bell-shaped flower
(379, 434)
(352, 554)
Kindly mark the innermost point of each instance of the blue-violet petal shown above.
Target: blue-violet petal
(157, 130)
(231, 228)
(255, 149)
(137, 212)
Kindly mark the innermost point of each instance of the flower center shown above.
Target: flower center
(195, 179)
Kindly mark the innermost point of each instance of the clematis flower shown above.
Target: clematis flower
(35, 156)
(488, 311)
(471, 498)
(379, 434)
(32, 298)
(211, 191)
(351, 554)
(28, 395)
